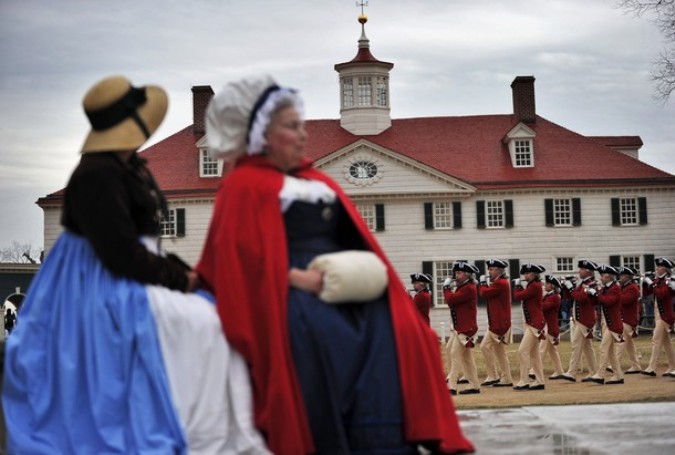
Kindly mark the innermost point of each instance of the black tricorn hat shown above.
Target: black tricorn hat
(423, 277)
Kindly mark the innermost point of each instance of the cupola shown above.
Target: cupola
(364, 90)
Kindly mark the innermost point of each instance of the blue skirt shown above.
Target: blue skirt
(83, 368)
(345, 358)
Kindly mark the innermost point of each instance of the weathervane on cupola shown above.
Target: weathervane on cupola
(364, 88)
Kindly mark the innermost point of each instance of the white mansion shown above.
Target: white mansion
(514, 186)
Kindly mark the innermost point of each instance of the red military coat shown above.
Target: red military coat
(609, 298)
(584, 306)
(551, 306)
(630, 304)
(664, 300)
(498, 296)
(531, 296)
(463, 308)
(422, 301)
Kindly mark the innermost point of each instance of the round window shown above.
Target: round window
(363, 170)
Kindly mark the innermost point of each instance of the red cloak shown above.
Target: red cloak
(245, 263)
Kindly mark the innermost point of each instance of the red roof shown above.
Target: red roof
(619, 141)
(174, 162)
(468, 148)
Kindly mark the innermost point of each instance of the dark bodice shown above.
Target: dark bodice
(102, 182)
(112, 204)
(312, 227)
(319, 228)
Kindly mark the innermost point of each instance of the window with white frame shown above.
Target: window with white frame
(629, 211)
(521, 145)
(367, 212)
(442, 215)
(564, 265)
(631, 261)
(347, 92)
(208, 166)
(523, 152)
(562, 212)
(494, 214)
(365, 91)
(168, 225)
(381, 86)
(443, 270)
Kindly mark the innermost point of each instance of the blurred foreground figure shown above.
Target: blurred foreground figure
(340, 360)
(115, 353)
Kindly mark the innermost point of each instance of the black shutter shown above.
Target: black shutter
(508, 213)
(615, 260)
(457, 215)
(480, 214)
(428, 215)
(514, 268)
(616, 212)
(642, 205)
(649, 263)
(379, 217)
(548, 210)
(576, 211)
(428, 267)
(180, 222)
(514, 272)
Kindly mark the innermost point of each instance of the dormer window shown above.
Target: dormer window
(208, 166)
(520, 141)
(523, 153)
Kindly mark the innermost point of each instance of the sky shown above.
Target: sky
(590, 59)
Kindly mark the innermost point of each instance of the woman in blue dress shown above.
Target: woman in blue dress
(340, 359)
(114, 353)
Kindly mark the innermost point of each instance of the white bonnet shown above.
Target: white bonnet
(237, 117)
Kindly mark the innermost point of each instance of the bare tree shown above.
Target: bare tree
(19, 252)
(662, 14)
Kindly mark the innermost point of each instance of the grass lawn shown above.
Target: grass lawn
(637, 387)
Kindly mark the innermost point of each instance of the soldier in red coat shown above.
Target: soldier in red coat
(608, 296)
(422, 299)
(461, 296)
(497, 291)
(664, 290)
(583, 316)
(529, 291)
(630, 310)
(551, 306)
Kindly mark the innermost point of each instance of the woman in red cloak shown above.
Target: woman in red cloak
(339, 360)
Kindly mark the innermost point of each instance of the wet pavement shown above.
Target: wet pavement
(635, 428)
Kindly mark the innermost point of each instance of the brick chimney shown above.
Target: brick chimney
(201, 95)
(524, 109)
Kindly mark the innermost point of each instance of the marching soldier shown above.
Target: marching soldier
(495, 288)
(461, 295)
(529, 292)
(664, 290)
(583, 316)
(551, 306)
(630, 310)
(422, 299)
(608, 296)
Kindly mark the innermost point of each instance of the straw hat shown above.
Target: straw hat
(122, 116)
